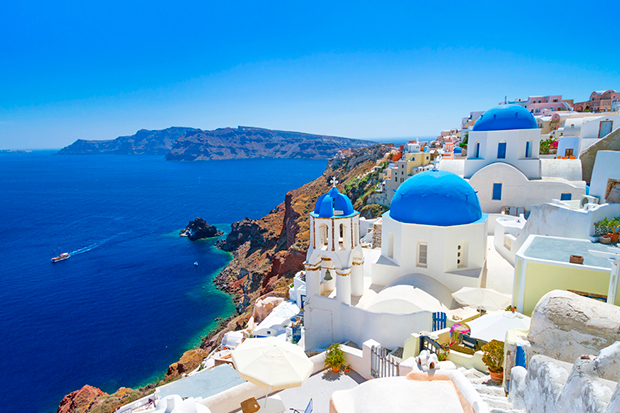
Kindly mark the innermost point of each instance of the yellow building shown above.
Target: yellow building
(543, 264)
(410, 164)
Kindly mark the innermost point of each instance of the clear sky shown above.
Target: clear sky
(364, 69)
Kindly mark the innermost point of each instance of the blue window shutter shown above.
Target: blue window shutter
(566, 197)
(501, 150)
(497, 191)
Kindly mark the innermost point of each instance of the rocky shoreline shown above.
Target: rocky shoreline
(267, 252)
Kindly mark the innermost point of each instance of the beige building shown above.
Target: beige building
(409, 165)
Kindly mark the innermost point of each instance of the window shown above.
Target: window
(422, 254)
(507, 242)
(527, 149)
(501, 150)
(477, 149)
(461, 254)
(568, 152)
(565, 197)
(390, 245)
(497, 191)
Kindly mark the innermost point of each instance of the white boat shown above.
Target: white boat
(63, 256)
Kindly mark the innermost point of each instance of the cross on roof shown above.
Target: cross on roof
(333, 181)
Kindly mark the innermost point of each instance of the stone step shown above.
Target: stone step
(493, 410)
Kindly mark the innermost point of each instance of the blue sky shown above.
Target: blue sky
(363, 69)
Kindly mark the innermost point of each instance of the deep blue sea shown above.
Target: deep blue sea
(129, 301)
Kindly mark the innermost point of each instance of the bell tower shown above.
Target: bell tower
(335, 258)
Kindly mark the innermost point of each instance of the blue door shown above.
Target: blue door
(497, 191)
(501, 150)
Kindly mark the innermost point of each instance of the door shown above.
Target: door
(605, 129)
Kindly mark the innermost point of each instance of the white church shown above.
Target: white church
(504, 165)
(433, 243)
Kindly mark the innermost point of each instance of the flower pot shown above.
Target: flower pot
(497, 377)
(336, 369)
(605, 239)
(614, 236)
(347, 370)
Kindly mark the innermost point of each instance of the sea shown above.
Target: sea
(130, 300)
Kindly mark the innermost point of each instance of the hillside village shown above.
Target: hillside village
(477, 272)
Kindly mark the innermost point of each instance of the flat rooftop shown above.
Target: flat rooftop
(560, 249)
(204, 383)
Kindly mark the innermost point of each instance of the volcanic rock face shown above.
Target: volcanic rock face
(80, 400)
(144, 142)
(269, 251)
(246, 142)
(189, 361)
(198, 229)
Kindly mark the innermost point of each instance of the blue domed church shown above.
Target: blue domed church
(435, 227)
(504, 166)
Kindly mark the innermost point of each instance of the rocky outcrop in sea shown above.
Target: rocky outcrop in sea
(199, 229)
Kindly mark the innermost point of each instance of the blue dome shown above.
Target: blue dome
(435, 198)
(505, 117)
(332, 204)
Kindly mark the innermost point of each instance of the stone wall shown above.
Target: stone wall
(566, 326)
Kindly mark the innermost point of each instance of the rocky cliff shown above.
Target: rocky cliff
(144, 142)
(269, 251)
(246, 142)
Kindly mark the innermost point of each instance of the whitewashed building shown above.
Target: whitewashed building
(503, 163)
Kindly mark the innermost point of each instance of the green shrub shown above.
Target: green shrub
(334, 356)
(494, 356)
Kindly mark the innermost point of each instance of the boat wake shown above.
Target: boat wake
(95, 245)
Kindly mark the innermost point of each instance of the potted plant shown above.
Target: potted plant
(442, 355)
(614, 234)
(334, 357)
(347, 368)
(493, 358)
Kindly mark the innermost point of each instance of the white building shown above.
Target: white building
(573, 219)
(578, 134)
(504, 166)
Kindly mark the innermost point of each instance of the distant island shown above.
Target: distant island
(144, 142)
(189, 144)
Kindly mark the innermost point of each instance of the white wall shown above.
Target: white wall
(517, 189)
(328, 321)
(516, 142)
(553, 220)
(591, 127)
(569, 169)
(568, 142)
(606, 166)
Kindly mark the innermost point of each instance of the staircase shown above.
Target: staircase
(492, 394)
